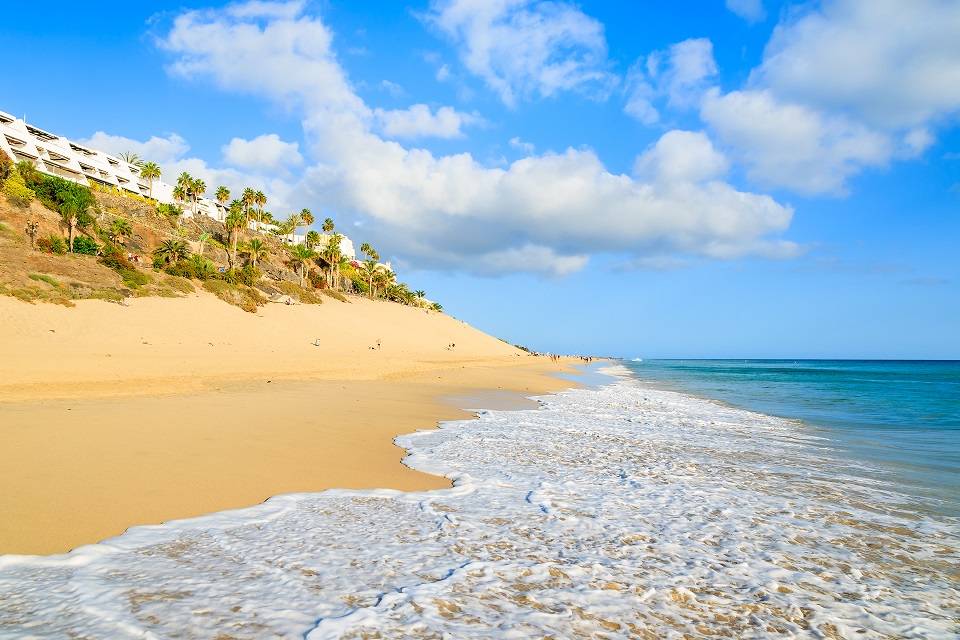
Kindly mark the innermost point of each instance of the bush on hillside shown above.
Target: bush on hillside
(246, 276)
(6, 166)
(52, 244)
(317, 279)
(53, 191)
(131, 276)
(196, 267)
(17, 191)
(85, 246)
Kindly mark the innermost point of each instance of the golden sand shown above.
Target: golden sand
(114, 416)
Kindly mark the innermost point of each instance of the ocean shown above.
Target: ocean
(671, 500)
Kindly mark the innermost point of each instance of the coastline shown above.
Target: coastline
(85, 460)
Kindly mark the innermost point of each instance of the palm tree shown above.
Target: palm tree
(260, 200)
(234, 223)
(203, 238)
(306, 218)
(370, 268)
(222, 195)
(185, 181)
(327, 226)
(294, 220)
(172, 251)
(284, 229)
(301, 256)
(257, 250)
(179, 194)
(332, 256)
(150, 171)
(120, 229)
(369, 252)
(198, 187)
(70, 211)
(313, 239)
(248, 199)
(420, 293)
(131, 158)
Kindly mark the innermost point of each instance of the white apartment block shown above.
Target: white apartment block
(58, 156)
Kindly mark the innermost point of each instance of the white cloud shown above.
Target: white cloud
(520, 145)
(526, 47)
(750, 10)
(891, 63)
(543, 213)
(680, 74)
(791, 145)
(418, 121)
(391, 87)
(682, 156)
(159, 150)
(266, 152)
(443, 73)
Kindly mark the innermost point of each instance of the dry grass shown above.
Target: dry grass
(296, 291)
(241, 296)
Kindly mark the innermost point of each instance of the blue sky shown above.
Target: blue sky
(745, 178)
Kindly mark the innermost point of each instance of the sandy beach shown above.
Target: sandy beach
(114, 416)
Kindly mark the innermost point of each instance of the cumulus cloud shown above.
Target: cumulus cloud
(159, 150)
(679, 74)
(524, 47)
(543, 213)
(844, 85)
(890, 63)
(750, 10)
(682, 156)
(418, 121)
(791, 145)
(266, 152)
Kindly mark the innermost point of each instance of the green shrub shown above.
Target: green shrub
(131, 276)
(246, 276)
(85, 246)
(52, 244)
(196, 266)
(6, 166)
(53, 191)
(17, 191)
(360, 286)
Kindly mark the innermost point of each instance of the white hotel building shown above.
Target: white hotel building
(58, 156)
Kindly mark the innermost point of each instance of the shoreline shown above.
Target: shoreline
(85, 460)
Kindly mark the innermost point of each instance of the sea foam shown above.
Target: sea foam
(617, 511)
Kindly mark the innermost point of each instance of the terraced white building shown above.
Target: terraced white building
(58, 156)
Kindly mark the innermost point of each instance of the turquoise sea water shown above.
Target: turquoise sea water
(896, 421)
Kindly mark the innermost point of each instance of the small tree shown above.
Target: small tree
(301, 255)
(120, 229)
(171, 252)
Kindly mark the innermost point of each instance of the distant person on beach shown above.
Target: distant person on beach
(378, 344)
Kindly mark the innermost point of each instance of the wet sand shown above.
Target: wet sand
(93, 445)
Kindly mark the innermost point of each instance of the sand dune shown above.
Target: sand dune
(113, 416)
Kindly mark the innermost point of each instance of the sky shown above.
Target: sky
(714, 179)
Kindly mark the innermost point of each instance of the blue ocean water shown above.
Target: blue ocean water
(899, 421)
